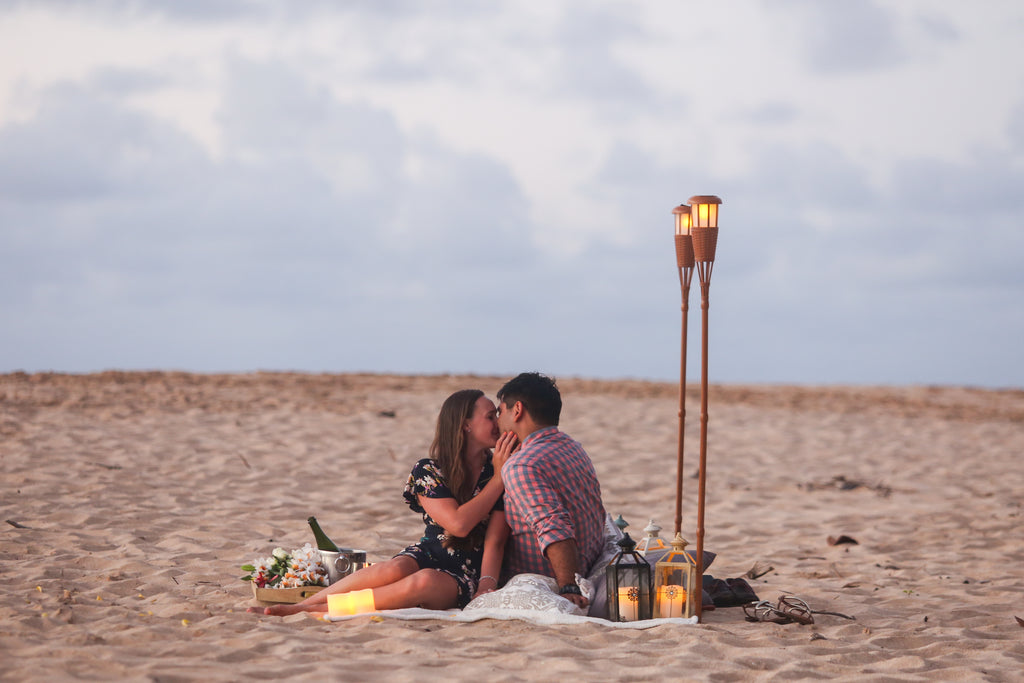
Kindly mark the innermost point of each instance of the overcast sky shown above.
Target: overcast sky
(456, 186)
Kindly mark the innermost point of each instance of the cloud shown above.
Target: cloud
(80, 146)
(181, 10)
(1015, 127)
(822, 273)
(770, 114)
(587, 41)
(321, 215)
(847, 37)
(501, 199)
(938, 27)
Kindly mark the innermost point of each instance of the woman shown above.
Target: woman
(458, 490)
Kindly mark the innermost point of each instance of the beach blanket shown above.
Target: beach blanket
(526, 597)
(535, 598)
(533, 616)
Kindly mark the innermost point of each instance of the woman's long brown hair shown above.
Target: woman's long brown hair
(450, 440)
(446, 451)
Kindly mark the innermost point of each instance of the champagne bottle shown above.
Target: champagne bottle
(322, 541)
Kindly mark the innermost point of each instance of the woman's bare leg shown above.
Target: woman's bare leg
(374, 576)
(427, 588)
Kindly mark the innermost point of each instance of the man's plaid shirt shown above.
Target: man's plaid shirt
(551, 494)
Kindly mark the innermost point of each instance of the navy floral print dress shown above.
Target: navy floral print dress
(463, 557)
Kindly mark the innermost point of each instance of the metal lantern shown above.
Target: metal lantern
(651, 541)
(675, 582)
(628, 581)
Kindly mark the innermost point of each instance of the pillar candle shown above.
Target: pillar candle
(671, 601)
(627, 607)
(356, 602)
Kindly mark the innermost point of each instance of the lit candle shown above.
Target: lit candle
(683, 220)
(628, 604)
(356, 602)
(671, 601)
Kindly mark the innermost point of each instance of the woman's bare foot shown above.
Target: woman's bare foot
(277, 610)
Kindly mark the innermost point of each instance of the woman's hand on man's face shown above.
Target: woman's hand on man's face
(508, 443)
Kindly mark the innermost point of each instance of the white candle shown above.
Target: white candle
(671, 601)
(628, 604)
(356, 602)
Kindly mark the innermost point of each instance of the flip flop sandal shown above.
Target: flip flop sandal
(765, 611)
(797, 607)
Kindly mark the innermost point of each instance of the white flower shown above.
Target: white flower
(301, 567)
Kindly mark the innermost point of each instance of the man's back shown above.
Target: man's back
(551, 494)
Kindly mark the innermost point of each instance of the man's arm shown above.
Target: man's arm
(562, 557)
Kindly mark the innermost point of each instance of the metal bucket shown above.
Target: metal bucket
(341, 564)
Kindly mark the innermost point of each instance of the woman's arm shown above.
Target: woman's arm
(494, 553)
(459, 520)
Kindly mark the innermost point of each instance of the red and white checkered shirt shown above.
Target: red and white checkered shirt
(551, 494)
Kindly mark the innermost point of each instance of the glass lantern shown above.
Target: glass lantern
(675, 577)
(651, 541)
(628, 582)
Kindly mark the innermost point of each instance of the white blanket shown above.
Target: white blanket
(527, 597)
(533, 616)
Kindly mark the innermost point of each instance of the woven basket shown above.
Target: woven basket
(704, 242)
(684, 251)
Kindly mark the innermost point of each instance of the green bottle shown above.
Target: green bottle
(322, 541)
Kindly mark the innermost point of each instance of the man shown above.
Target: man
(552, 496)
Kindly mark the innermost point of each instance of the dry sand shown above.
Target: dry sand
(131, 499)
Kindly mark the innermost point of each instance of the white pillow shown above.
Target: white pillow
(612, 536)
(530, 592)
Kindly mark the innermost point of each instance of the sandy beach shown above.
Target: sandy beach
(130, 500)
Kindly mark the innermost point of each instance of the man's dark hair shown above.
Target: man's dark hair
(537, 393)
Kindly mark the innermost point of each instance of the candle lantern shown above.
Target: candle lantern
(704, 233)
(704, 226)
(675, 581)
(628, 580)
(684, 240)
(651, 541)
(685, 260)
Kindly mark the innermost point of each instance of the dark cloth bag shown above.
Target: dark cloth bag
(727, 592)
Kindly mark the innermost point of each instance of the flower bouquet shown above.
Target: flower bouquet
(287, 577)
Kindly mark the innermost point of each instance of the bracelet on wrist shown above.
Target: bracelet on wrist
(570, 589)
(488, 577)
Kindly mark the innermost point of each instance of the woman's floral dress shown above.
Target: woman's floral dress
(461, 561)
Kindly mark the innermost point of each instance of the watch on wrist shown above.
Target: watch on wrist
(570, 589)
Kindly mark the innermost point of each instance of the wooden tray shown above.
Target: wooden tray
(291, 595)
